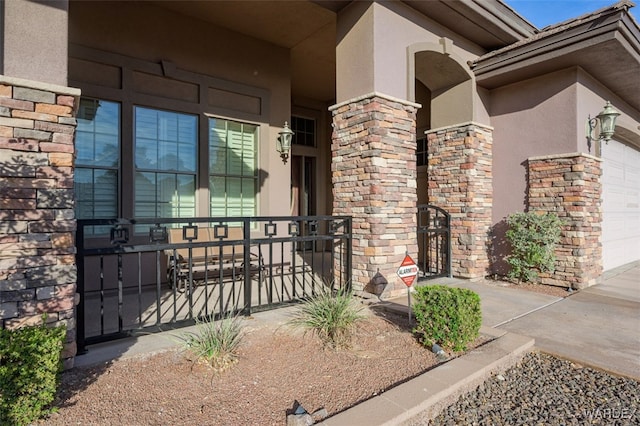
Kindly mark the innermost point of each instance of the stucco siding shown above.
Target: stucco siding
(354, 51)
(532, 118)
(387, 34)
(34, 40)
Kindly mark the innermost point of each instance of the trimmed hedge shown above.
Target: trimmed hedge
(30, 366)
(448, 316)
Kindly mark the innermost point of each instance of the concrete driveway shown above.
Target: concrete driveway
(598, 326)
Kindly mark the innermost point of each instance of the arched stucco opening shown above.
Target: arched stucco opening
(449, 85)
(439, 82)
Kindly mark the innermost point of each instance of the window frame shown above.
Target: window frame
(257, 131)
(297, 132)
(159, 171)
(117, 168)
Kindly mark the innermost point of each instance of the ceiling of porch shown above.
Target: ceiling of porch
(308, 29)
(305, 28)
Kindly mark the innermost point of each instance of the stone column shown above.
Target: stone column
(374, 180)
(460, 182)
(37, 221)
(569, 185)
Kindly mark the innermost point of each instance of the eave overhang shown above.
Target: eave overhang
(606, 44)
(490, 24)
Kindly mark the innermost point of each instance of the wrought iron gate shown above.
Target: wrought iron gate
(434, 242)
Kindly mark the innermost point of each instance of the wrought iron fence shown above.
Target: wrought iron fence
(146, 274)
(434, 242)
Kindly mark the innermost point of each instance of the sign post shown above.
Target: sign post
(408, 271)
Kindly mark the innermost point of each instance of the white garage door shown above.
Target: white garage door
(620, 204)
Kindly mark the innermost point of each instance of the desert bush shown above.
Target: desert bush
(30, 368)
(533, 238)
(216, 342)
(329, 315)
(448, 316)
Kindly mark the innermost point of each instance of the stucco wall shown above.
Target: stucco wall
(592, 96)
(531, 118)
(154, 34)
(34, 40)
(355, 74)
(372, 58)
(544, 116)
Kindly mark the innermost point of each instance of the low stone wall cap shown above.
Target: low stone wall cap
(567, 155)
(457, 126)
(374, 95)
(39, 85)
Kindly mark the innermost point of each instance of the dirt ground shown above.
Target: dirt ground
(537, 288)
(277, 368)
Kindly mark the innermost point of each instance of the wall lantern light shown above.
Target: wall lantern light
(283, 144)
(607, 119)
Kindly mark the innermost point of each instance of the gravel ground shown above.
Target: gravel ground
(544, 390)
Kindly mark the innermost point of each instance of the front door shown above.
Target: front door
(302, 196)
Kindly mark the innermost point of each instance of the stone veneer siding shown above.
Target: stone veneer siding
(460, 182)
(37, 221)
(374, 181)
(569, 185)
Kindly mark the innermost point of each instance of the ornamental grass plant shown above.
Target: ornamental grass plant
(216, 342)
(330, 315)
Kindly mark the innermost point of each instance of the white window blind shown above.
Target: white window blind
(233, 173)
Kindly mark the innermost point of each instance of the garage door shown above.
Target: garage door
(620, 204)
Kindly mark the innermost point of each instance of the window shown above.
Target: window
(304, 130)
(233, 171)
(421, 152)
(97, 159)
(165, 163)
(162, 177)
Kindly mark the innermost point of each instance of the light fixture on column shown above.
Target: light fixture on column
(283, 144)
(607, 119)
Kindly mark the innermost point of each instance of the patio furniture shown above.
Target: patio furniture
(206, 262)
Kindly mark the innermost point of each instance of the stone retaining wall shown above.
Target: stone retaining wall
(570, 186)
(374, 180)
(37, 221)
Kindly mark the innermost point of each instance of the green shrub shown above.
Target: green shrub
(533, 238)
(448, 316)
(330, 316)
(30, 368)
(216, 342)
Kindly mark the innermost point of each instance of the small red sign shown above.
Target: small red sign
(408, 271)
